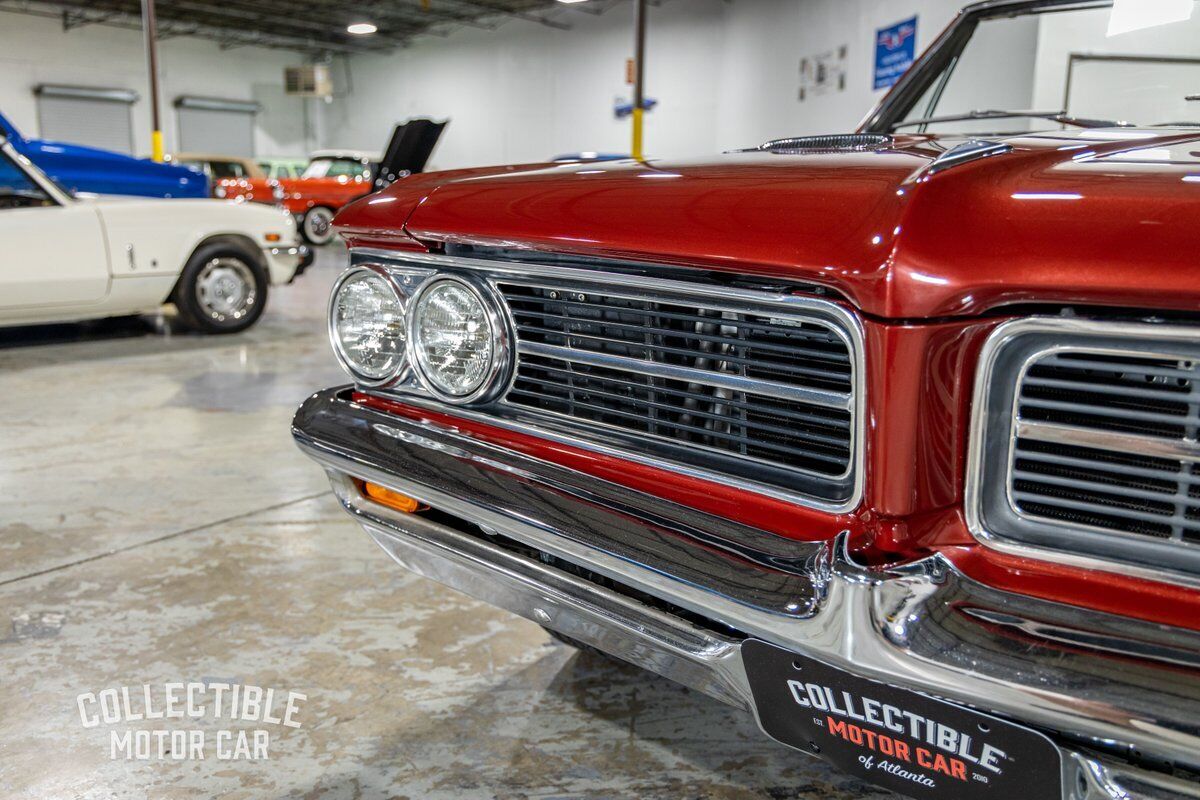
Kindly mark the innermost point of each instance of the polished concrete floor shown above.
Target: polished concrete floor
(158, 525)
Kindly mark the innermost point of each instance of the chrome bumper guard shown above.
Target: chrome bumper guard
(1121, 698)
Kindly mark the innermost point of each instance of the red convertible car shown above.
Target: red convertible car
(889, 438)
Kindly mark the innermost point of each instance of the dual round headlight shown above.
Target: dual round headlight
(366, 326)
(450, 332)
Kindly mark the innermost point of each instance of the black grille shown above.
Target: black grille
(752, 388)
(1109, 442)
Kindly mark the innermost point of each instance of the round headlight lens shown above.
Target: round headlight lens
(453, 340)
(367, 323)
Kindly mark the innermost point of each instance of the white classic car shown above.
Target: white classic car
(65, 258)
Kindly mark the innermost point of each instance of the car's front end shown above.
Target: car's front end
(888, 438)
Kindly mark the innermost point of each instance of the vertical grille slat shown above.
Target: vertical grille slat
(749, 391)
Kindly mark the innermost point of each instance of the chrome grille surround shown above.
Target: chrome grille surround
(616, 362)
(1084, 445)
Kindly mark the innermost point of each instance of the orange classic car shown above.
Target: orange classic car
(332, 179)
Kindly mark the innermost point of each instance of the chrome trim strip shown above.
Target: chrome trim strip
(800, 308)
(983, 404)
(965, 153)
(737, 383)
(1111, 440)
(906, 626)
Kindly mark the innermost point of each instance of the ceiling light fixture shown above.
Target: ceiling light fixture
(572, 1)
(361, 28)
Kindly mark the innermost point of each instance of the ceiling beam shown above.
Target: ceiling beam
(307, 26)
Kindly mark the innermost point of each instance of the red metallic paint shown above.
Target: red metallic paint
(301, 194)
(250, 190)
(929, 261)
(1063, 218)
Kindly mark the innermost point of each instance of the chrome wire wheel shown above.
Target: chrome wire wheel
(318, 225)
(226, 290)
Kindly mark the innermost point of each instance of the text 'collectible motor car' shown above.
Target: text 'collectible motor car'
(889, 438)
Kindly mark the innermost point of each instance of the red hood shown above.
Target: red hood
(1097, 216)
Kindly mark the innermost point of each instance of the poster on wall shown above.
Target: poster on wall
(895, 51)
(823, 73)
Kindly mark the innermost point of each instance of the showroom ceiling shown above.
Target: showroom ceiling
(317, 26)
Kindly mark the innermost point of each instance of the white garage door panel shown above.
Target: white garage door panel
(96, 123)
(1147, 92)
(203, 130)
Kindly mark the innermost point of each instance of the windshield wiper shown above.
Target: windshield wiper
(995, 113)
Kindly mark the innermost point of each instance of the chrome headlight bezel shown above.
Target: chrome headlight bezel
(401, 371)
(499, 370)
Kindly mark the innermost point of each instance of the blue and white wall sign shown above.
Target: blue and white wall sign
(895, 51)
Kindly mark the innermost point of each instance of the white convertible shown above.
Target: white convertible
(65, 258)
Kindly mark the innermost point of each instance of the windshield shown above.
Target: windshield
(335, 168)
(18, 189)
(1076, 67)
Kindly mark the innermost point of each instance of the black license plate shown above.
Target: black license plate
(896, 738)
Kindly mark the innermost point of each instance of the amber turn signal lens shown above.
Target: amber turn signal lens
(273, 237)
(386, 497)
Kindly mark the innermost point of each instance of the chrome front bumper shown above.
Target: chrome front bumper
(1120, 698)
(286, 263)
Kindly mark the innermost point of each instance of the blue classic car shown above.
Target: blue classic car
(89, 169)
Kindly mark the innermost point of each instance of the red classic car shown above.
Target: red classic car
(889, 437)
(234, 177)
(332, 179)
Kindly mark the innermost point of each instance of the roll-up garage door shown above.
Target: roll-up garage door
(88, 116)
(223, 127)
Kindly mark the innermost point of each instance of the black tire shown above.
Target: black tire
(223, 288)
(316, 227)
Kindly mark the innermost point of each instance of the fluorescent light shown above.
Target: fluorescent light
(1144, 154)
(361, 28)
(1046, 196)
(572, 1)
(1134, 15)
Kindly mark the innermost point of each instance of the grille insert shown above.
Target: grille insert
(754, 392)
(1109, 442)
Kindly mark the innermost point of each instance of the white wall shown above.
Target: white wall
(34, 50)
(725, 75)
